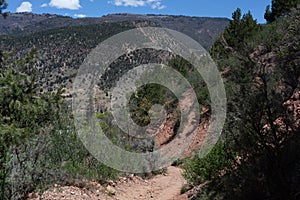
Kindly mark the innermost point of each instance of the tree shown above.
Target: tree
(261, 134)
(24, 113)
(3, 6)
(279, 8)
(235, 35)
(262, 125)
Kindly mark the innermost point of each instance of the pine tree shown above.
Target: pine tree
(279, 8)
(3, 6)
(24, 113)
(233, 39)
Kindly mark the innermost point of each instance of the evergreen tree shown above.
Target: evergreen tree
(259, 156)
(279, 8)
(24, 113)
(3, 6)
(234, 37)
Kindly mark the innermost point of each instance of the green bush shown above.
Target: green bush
(198, 170)
(38, 142)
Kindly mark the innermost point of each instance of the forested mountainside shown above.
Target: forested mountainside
(62, 50)
(202, 29)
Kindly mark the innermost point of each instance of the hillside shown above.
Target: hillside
(63, 49)
(202, 29)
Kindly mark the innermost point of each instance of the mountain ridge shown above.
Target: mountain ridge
(203, 29)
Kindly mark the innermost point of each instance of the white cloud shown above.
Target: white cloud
(133, 3)
(44, 5)
(67, 4)
(79, 15)
(154, 4)
(25, 7)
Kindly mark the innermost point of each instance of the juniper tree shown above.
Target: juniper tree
(279, 8)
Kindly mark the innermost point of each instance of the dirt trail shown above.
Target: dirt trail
(160, 187)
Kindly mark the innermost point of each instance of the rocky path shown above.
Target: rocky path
(160, 187)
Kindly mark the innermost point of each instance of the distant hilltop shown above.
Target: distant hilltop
(202, 29)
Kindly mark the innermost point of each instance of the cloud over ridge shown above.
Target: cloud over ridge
(67, 4)
(25, 7)
(154, 4)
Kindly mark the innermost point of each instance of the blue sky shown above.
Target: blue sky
(96, 8)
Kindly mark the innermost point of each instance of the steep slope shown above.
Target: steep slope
(62, 50)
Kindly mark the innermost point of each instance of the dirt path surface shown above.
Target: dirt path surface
(160, 187)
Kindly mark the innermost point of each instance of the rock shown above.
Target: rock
(33, 195)
(111, 190)
(112, 183)
(94, 184)
(131, 176)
